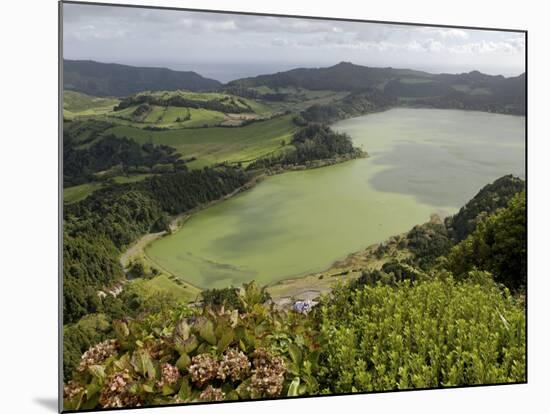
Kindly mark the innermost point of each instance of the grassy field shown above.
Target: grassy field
(415, 80)
(198, 117)
(80, 192)
(79, 104)
(122, 179)
(171, 117)
(169, 284)
(213, 145)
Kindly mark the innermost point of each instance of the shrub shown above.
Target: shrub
(184, 355)
(423, 334)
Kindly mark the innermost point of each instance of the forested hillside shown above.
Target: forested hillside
(98, 227)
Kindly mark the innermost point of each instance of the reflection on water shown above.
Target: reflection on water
(421, 161)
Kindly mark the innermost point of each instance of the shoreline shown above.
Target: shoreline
(292, 286)
(137, 249)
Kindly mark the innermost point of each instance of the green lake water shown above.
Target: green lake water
(422, 161)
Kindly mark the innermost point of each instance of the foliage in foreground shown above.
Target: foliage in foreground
(186, 355)
(424, 334)
(413, 335)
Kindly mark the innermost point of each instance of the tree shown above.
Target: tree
(498, 245)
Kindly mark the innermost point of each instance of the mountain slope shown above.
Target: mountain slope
(473, 90)
(111, 79)
(343, 76)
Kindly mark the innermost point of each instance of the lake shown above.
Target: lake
(422, 161)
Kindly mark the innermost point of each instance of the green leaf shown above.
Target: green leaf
(293, 387)
(185, 390)
(225, 340)
(182, 330)
(314, 359)
(167, 390)
(92, 389)
(187, 346)
(143, 364)
(98, 372)
(183, 362)
(231, 396)
(121, 329)
(207, 332)
(242, 390)
(295, 354)
(90, 403)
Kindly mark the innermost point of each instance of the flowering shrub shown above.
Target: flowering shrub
(186, 355)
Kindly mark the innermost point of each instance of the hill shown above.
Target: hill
(111, 79)
(489, 199)
(473, 90)
(343, 76)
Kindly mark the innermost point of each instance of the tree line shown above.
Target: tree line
(97, 228)
(226, 104)
(312, 142)
(81, 163)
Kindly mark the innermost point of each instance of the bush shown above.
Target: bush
(419, 335)
(184, 355)
(235, 298)
(428, 242)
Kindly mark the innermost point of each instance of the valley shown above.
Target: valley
(182, 194)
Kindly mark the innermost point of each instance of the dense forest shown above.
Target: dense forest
(91, 163)
(354, 104)
(448, 315)
(312, 142)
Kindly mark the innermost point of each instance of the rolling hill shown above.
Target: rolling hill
(110, 79)
(473, 90)
(343, 76)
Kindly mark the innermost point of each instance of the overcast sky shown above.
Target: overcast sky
(228, 46)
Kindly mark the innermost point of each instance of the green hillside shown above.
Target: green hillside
(216, 144)
(110, 79)
(473, 90)
(79, 104)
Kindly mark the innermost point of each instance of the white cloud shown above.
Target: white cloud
(453, 34)
(131, 34)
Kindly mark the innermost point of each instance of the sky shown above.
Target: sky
(230, 46)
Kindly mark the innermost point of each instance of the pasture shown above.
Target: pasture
(218, 144)
(79, 104)
(80, 192)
